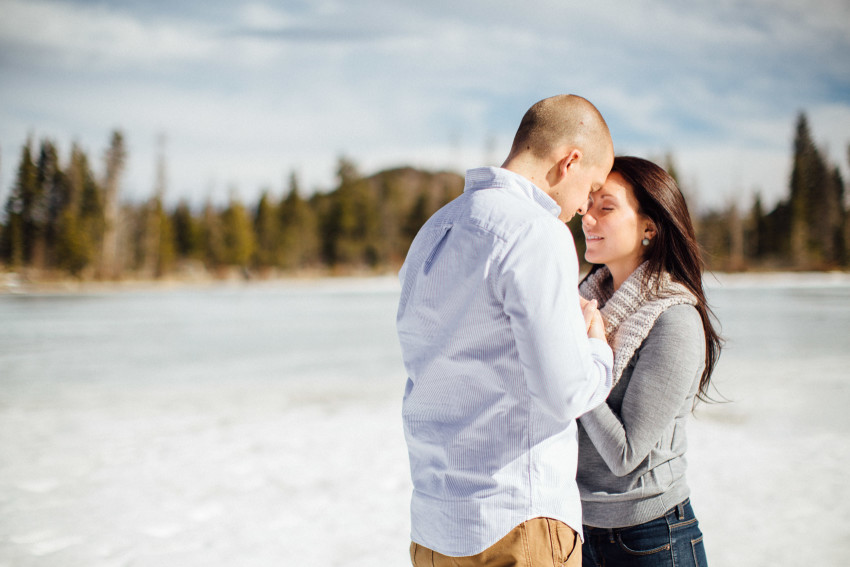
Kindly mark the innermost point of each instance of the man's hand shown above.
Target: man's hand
(592, 319)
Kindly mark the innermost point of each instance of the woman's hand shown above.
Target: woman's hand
(597, 327)
(592, 319)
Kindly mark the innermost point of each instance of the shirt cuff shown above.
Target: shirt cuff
(600, 350)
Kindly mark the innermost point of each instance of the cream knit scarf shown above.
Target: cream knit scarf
(631, 311)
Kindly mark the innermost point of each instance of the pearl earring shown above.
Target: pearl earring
(645, 242)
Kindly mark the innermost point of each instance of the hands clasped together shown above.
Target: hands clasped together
(592, 319)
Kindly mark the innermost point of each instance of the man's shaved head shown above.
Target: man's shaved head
(559, 121)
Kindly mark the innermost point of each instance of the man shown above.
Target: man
(496, 346)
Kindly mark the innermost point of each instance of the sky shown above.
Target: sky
(236, 96)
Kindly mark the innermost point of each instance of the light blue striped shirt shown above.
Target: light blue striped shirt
(499, 365)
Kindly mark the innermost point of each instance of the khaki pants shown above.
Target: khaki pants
(540, 542)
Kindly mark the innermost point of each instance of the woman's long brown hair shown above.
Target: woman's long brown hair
(674, 249)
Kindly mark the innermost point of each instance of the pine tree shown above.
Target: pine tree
(342, 229)
(81, 222)
(73, 247)
(715, 238)
(151, 234)
(367, 235)
(155, 217)
(58, 195)
(16, 245)
(736, 237)
(91, 207)
(238, 235)
(757, 229)
(166, 254)
(827, 224)
(839, 226)
(266, 232)
(774, 242)
(343, 217)
(212, 237)
(811, 196)
(846, 221)
(46, 193)
(187, 234)
(136, 222)
(299, 234)
(391, 204)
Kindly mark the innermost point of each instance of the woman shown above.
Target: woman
(647, 278)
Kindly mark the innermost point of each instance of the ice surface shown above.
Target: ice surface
(179, 460)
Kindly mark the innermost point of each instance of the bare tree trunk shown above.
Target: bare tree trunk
(153, 230)
(115, 159)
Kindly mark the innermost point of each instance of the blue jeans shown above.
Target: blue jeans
(674, 539)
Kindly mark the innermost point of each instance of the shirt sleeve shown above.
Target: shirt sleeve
(567, 373)
(663, 378)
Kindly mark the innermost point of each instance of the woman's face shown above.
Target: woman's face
(613, 227)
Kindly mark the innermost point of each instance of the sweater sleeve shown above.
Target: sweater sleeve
(669, 362)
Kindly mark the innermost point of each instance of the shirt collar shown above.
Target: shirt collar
(489, 177)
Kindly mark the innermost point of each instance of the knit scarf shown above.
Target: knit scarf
(631, 311)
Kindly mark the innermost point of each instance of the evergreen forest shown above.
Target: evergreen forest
(64, 219)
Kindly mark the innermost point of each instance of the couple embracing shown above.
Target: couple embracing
(541, 412)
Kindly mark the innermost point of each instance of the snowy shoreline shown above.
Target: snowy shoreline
(12, 283)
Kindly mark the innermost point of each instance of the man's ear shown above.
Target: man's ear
(569, 162)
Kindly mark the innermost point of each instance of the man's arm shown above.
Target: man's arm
(567, 372)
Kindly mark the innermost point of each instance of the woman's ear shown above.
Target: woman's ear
(649, 230)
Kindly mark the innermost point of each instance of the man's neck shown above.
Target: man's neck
(530, 168)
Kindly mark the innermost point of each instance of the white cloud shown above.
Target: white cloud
(247, 92)
(722, 175)
(830, 125)
(85, 36)
(262, 16)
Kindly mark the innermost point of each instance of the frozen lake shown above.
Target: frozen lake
(260, 425)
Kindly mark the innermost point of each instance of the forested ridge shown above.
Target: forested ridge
(63, 218)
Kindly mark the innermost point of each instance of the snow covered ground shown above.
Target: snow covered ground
(205, 458)
(202, 478)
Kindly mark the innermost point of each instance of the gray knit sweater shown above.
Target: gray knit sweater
(631, 466)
